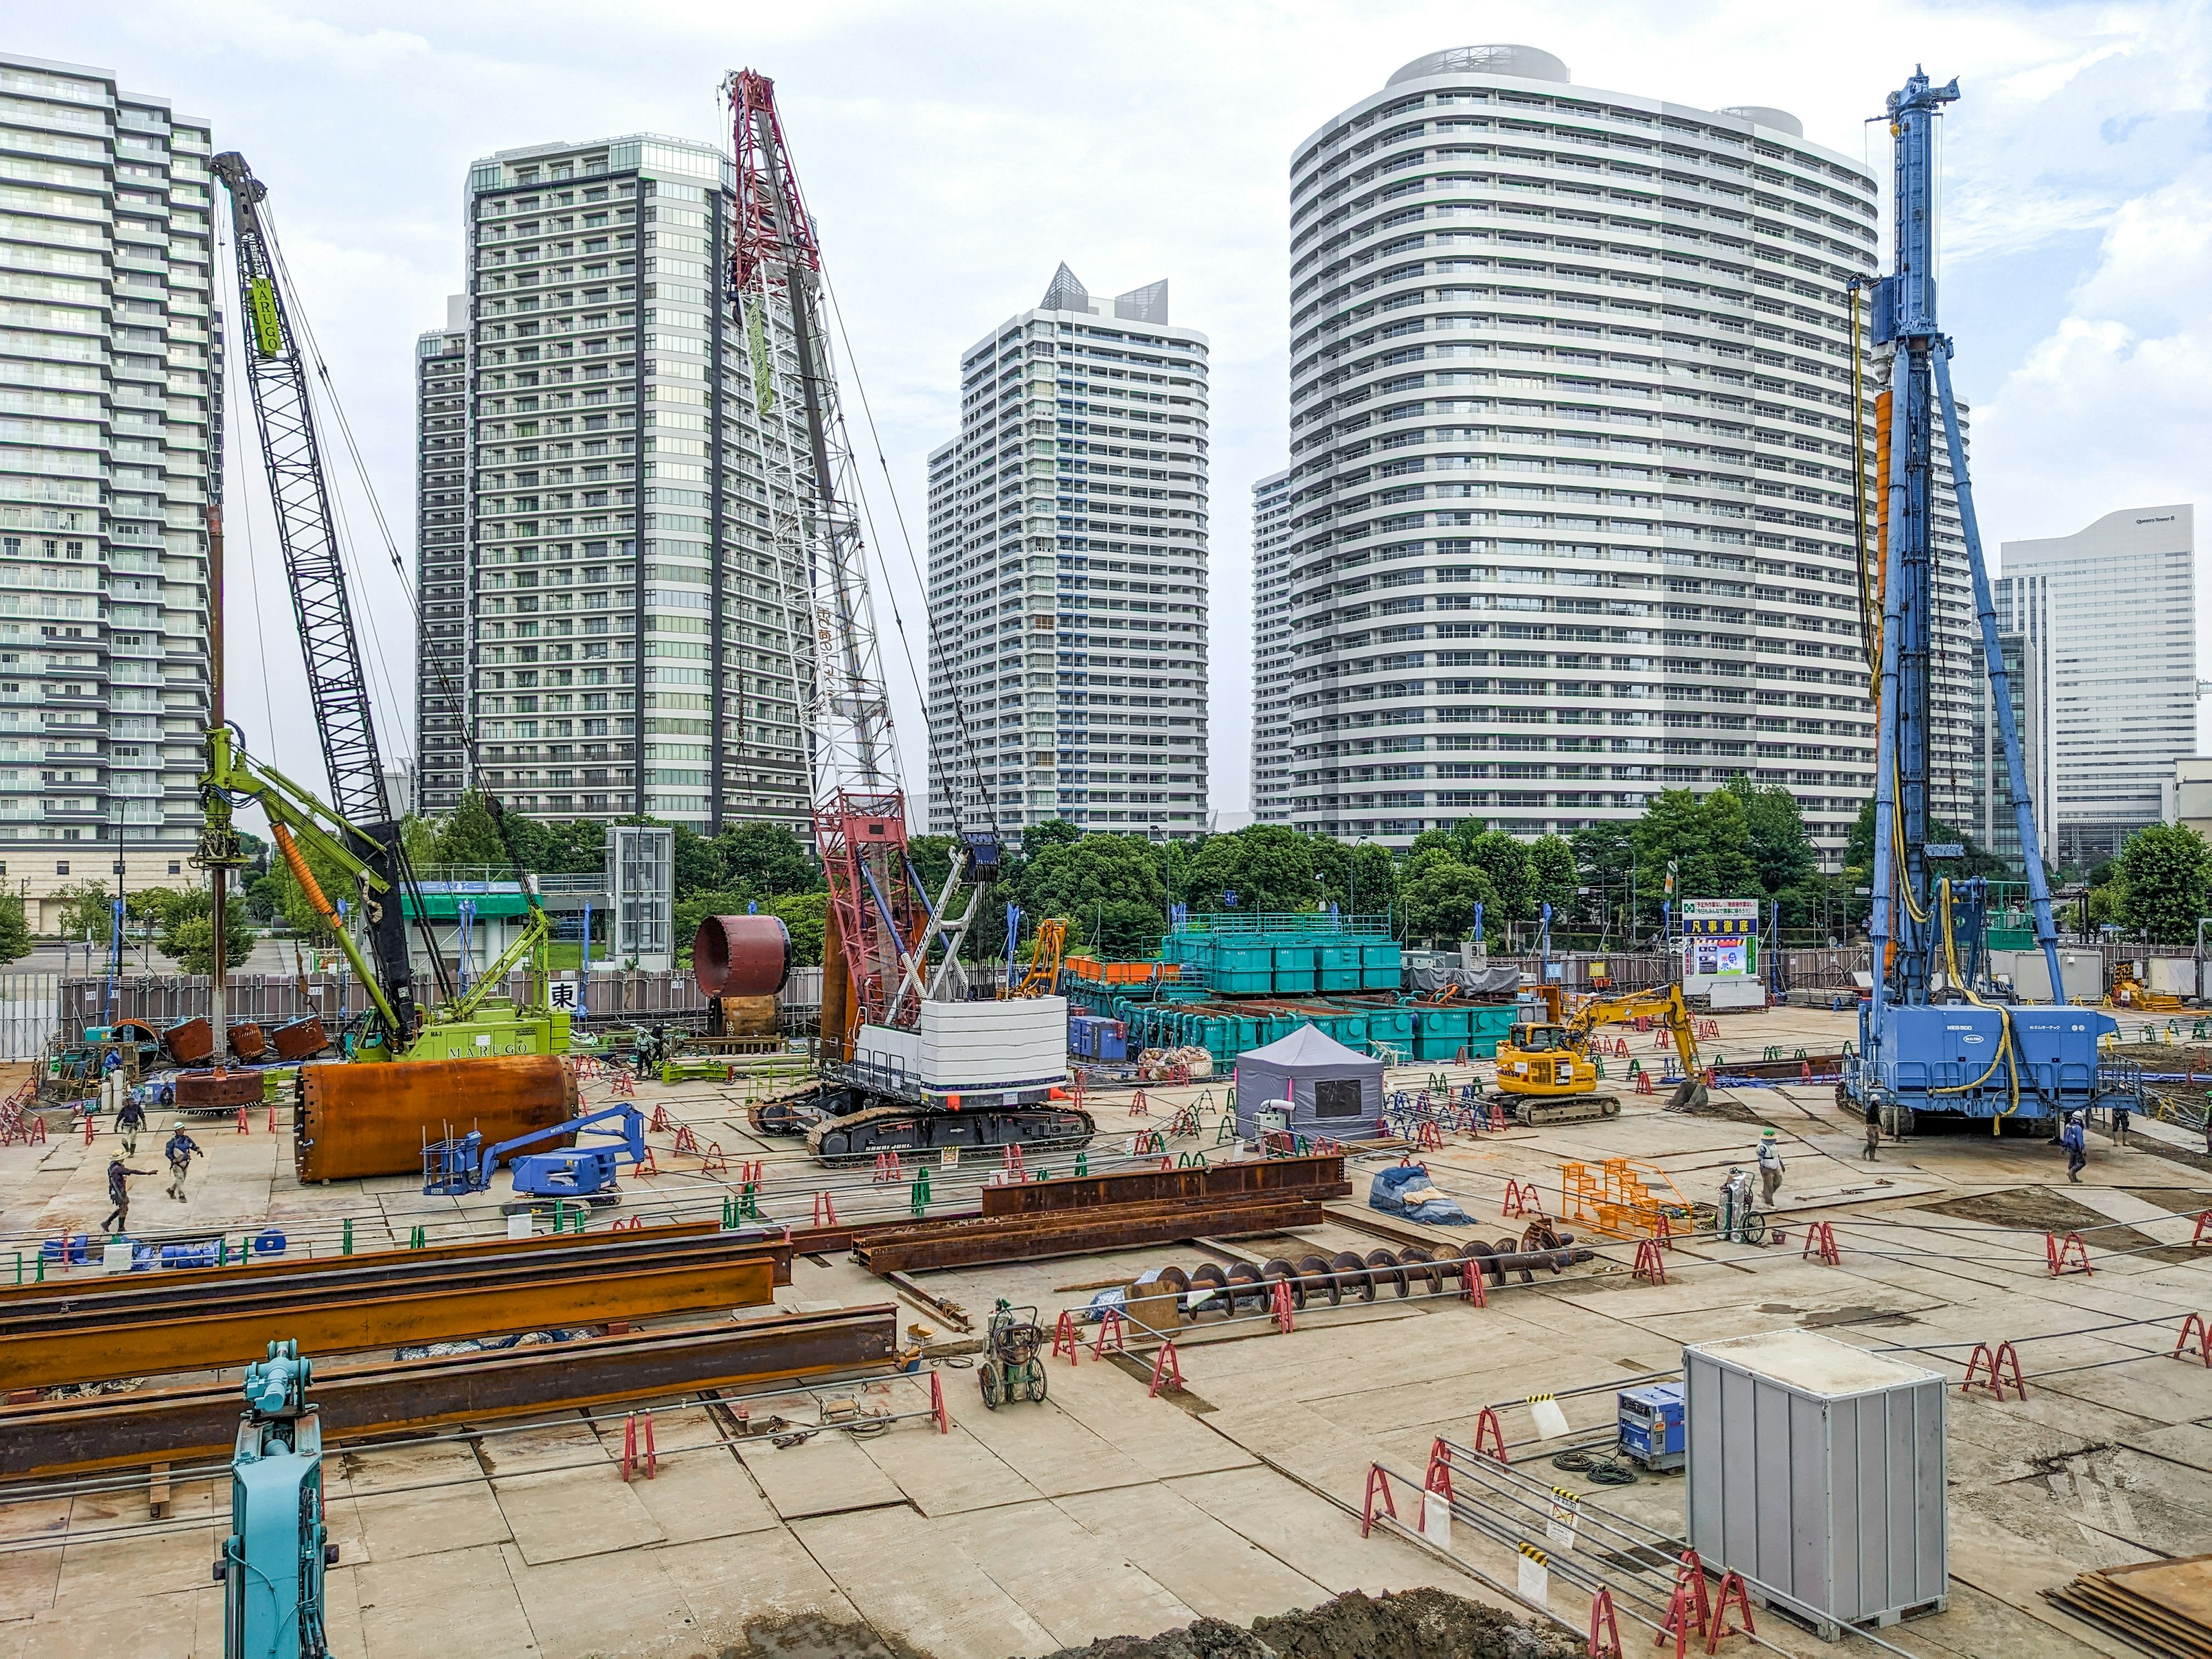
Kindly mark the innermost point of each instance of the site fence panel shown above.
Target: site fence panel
(28, 1005)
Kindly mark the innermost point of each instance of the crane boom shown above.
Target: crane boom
(877, 915)
(307, 529)
(902, 1044)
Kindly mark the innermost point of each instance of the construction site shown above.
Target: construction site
(1074, 1305)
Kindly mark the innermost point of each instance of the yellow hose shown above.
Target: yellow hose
(2004, 1054)
(301, 874)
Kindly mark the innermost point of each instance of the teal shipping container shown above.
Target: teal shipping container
(1379, 967)
(1296, 970)
(1341, 969)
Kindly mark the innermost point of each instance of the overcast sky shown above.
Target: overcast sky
(953, 155)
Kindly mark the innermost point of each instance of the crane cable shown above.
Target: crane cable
(2007, 1045)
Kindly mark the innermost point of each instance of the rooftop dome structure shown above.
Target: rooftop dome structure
(1523, 63)
(1765, 115)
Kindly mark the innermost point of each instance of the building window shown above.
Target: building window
(62, 868)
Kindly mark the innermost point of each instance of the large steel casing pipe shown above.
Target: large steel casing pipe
(741, 956)
(358, 1118)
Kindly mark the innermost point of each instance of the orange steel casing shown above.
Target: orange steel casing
(371, 1118)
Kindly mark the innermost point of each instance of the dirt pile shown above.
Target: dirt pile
(1417, 1623)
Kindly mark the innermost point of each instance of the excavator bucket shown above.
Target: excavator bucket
(357, 1118)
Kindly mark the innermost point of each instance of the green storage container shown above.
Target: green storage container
(1431, 1046)
(1339, 968)
(1295, 970)
(1380, 969)
(1395, 1027)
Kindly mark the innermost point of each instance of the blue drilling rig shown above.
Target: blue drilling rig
(1929, 1043)
(272, 1564)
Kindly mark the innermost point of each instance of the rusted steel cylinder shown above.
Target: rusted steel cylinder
(741, 956)
(358, 1118)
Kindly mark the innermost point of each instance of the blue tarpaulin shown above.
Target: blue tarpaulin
(1404, 1190)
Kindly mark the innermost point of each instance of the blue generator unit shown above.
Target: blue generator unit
(1651, 1425)
(2032, 1063)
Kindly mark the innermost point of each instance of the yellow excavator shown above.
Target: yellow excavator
(1544, 1066)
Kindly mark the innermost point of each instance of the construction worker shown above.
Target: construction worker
(2120, 1124)
(179, 1149)
(1873, 1131)
(1769, 1168)
(2076, 1140)
(118, 1194)
(128, 1123)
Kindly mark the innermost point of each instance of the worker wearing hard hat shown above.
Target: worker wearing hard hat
(179, 1149)
(1769, 1168)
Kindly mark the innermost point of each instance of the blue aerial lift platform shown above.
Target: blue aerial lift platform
(1929, 1043)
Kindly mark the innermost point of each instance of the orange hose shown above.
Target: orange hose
(301, 874)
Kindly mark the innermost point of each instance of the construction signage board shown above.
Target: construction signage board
(1719, 940)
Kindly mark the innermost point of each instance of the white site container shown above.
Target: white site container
(2172, 977)
(1815, 1470)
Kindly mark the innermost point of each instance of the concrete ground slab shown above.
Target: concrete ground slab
(1198, 1559)
(825, 1475)
(770, 1579)
(1156, 1434)
(607, 1605)
(1052, 1451)
(421, 1499)
(947, 1473)
(408, 1606)
(894, 1566)
(1055, 1568)
(171, 1624)
(564, 1514)
(1312, 1536)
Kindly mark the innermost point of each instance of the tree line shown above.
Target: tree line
(1608, 885)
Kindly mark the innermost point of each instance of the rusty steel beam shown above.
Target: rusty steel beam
(168, 1284)
(160, 1325)
(356, 1402)
(1311, 1177)
(976, 1241)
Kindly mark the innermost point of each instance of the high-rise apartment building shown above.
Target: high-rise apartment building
(1572, 514)
(1067, 572)
(2107, 622)
(441, 559)
(1271, 649)
(110, 383)
(630, 627)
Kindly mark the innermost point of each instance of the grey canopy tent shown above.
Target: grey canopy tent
(1325, 1088)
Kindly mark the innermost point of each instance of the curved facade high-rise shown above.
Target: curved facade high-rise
(1571, 515)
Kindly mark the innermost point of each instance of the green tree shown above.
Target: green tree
(1269, 867)
(559, 846)
(1781, 851)
(697, 866)
(1673, 828)
(470, 837)
(768, 857)
(1506, 861)
(1438, 897)
(88, 910)
(1552, 872)
(1109, 887)
(1360, 879)
(1733, 869)
(15, 930)
(190, 944)
(1053, 832)
(2165, 873)
(806, 916)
